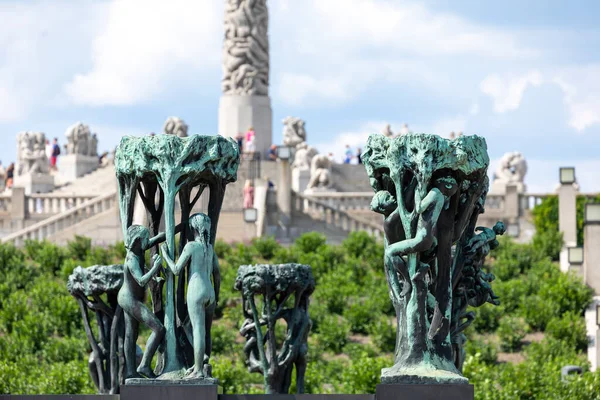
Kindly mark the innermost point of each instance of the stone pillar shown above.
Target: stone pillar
(245, 102)
(18, 211)
(300, 179)
(284, 195)
(591, 255)
(511, 203)
(567, 220)
(593, 334)
(73, 166)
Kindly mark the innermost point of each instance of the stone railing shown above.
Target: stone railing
(66, 219)
(344, 200)
(494, 202)
(5, 203)
(54, 203)
(333, 216)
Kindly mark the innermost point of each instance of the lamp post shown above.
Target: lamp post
(575, 255)
(566, 175)
(592, 213)
(250, 215)
(567, 212)
(591, 245)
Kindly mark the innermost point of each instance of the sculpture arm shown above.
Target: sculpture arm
(143, 280)
(161, 237)
(181, 263)
(216, 275)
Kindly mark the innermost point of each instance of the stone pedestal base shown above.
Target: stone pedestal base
(238, 113)
(300, 179)
(499, 188)
(73, 166)
(424, 392)
(34, 183)
(161, 390)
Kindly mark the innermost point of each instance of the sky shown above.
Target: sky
(524, 75)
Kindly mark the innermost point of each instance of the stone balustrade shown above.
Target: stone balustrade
(345, 200)
(54, 203)
(334, 216)
(63, 220)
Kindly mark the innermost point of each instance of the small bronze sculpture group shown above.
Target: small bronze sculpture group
(430, 191)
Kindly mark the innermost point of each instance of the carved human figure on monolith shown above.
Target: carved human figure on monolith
(276, 284)
(203, 266)
(428, 190)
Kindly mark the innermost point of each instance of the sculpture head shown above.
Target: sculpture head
(137, 238)
(175, 126)
(200, 226)
(294, 132)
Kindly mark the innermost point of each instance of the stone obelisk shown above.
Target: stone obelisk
(245, 101)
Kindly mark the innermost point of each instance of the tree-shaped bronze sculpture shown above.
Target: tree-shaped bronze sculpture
(95, 289)
(283, 292)
(175, 167)
(430, 191)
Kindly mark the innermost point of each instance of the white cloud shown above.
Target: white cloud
(507, 94)
(41, 45)
(353, 44)
(144, 46)
(355, 139)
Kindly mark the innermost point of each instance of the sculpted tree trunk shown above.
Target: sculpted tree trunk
(428, 189)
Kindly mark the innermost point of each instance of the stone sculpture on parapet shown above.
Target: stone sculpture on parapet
(320, 174)
(175, 126)
(294, 136)
(183, 168)
(275, 285)
(82, 153)
(431, 191)
(511, 170)
(32, 170)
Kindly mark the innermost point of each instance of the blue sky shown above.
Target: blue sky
(525, 75)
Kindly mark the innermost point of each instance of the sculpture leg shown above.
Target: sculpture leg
(156, 337)
(131, 334)
(300, 372)
(199, 335)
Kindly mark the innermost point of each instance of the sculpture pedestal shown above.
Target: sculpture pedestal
(424, 392)
(73, 166)
(237, 113)
(168, 390)
(35, 183)
(300, 179)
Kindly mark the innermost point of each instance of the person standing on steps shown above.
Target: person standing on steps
(55, 154)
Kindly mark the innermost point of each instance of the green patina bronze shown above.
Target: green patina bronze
(160, 169)
(283, 292)
(430, 191)
(95, 289)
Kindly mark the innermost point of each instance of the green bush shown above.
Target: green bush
(537, 312)
(333, 334)
(383, 333)
(486, 352)
(79, 247)
(266, 246)
(223, 338)
(363, 374)
(549, 243)
(487, 318)
(310, 242)
(570, 328)
(511, 332)
(360, 313)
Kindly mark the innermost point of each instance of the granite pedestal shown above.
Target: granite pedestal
(73, 166)
(424, 392)
(300, 179)
(237, 113)
(178, 391)
(35, 183)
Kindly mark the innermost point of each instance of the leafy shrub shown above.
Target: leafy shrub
(537, 312)
(549, 243)
(100, 256)
(363, 374)
(50, 257)
(222, 249)
(570, 328)
(79, 247)
(223, 338)
(360, 313)
(383, 333)
(486, 352)
(487, 318)
(333, 334)
(266, 246)
(310, 242)
(511, 331)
